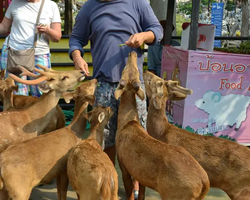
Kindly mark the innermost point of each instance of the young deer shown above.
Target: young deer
(15, 102)
(43, 158)
(225, 162)
(90, 171)
(168, 169)
(20, 125)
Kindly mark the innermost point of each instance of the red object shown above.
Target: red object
(3, 7)
(186, 24)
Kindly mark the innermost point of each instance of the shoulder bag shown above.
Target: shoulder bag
(24, 58)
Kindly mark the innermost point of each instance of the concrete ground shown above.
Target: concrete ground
(48, 192)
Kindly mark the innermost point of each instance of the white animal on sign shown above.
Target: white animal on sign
(224, 110)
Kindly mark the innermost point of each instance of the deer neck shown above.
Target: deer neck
(156, 117)
(78, 123)
(127, 109)
(45, 103)
(96, 133)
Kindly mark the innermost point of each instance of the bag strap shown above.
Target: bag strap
(37, 20)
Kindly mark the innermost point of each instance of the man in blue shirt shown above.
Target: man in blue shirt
(107, 24)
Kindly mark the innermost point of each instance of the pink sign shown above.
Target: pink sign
(220, 101)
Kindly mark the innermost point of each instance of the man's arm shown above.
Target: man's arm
(78, 39)
(149, 23)
(152, 29)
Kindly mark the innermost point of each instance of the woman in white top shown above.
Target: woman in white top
(21, 17)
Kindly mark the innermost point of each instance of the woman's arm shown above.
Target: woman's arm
(53, 32)
(5, 25)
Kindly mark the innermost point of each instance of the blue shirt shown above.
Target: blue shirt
(108, 24)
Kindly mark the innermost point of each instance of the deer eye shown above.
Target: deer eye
(64, 78)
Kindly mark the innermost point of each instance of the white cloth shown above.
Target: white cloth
(24, 15)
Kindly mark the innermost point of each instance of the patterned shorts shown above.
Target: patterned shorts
(105, 97)
(25, 89)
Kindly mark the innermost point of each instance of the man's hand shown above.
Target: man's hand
(81, 64)
(136, 40)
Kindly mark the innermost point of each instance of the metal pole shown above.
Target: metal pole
(169, 22)
(194, 24)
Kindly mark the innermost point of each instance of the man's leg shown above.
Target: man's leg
(104, 94)
(142, 112)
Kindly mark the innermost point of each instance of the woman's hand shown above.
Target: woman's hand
(42, 28)
(53, 32)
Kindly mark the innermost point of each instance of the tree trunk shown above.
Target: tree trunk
(68, 17)
(245, 20)
(160, 9)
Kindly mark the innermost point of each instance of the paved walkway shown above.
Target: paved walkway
(48, 192)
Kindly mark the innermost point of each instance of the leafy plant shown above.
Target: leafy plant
(186, 7)
(244, 48)
(179, 21)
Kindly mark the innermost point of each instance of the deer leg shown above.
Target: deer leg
(141, 192)
(127, 181)
(62, 185)
(4, 195)
(58, 185)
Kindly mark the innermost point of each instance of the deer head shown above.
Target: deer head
(83, 93)
(59, 81)
(130, 78)
(99, 115)
(7, 86)
(158, 89)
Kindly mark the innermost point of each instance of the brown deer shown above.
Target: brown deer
(41, 159)
(168, 169)
(90, 171)
(243, 194)
(19, 125)
(15, 102)
(225, 162)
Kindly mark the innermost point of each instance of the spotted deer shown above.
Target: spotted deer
(168, 169)
(12, 101)
(225, 162)
(90, 171)
(20, 125)
(43, 158)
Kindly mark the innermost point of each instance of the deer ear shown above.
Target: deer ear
(68, 96)
(118, 93)
(177, 96)
(2, 74)
(140, 93)
(90, 99)
(157, 103)
(101, 117)
(14, 88)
